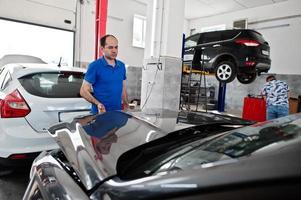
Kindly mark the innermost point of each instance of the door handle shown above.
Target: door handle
(216, 45)
(190, 49)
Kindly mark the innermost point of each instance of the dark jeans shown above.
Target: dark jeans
(274, 112)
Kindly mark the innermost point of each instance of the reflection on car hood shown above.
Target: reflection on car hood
(165, 119)
(198, 118)
(93, 144)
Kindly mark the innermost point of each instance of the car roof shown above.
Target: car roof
(227, 30)
(20, 69)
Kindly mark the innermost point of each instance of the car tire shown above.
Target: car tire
(246, 78)
(225, 71)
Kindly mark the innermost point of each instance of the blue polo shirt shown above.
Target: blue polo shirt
(106, 122)
(107, 82)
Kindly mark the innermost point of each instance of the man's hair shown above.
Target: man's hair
(103, 39)
(270, 78)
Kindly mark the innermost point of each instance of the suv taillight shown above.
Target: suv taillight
(249, 43)
(14, 105)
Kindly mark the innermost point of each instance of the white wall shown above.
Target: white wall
(120, 24)
(186, 29)
(284, 40)
(85, 33)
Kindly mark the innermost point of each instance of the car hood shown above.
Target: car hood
(93, 144)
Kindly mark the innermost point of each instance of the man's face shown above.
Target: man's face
(110, 50)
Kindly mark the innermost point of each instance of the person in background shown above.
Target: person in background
(104, 84)
(276, 94)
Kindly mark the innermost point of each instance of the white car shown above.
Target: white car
(32, 98)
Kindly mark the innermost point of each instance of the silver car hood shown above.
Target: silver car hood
(93, 144)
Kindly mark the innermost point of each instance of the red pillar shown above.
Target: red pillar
(100, 24)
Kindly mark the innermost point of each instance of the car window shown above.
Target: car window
(210, 37)
(226, 146)
(53, 84)
(2, 76)
(227, 35)
(6, 80)
(232, 145)
(1, 69)
(192, 41)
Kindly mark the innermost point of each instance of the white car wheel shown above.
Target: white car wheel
(225, 72)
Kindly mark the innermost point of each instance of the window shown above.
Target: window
(2, 77)
(53, 84)
(211, 37)
(139, 29)
(230, 34)
(241, 24)
(192, 41)
(7, 79)
(49, 44)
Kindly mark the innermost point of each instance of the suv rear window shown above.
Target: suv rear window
(192, 41)
(229, 34)
(209, 37)
(254, 35)
(53, 84)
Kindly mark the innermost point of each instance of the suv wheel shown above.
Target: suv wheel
(246, 78)
(225, 71)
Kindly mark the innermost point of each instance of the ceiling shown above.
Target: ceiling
(205, 8)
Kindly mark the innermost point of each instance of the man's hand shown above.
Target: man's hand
(86, 92)
(101, 108)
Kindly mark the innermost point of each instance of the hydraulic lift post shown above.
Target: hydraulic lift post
(221, 97)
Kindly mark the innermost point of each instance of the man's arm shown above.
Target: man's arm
(125, 100)
(86, 93)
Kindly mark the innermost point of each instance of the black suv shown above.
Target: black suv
(241, 53)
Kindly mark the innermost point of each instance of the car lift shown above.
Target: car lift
(187, 68)
(221, 97)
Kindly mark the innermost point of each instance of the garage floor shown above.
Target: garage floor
(14, 185)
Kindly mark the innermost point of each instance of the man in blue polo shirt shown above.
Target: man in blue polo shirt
(106, 78)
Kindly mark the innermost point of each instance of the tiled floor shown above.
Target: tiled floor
(237, 113)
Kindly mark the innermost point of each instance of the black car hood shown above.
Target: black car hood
(93, 144)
